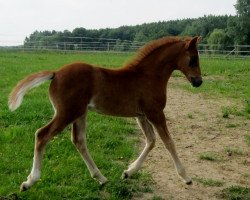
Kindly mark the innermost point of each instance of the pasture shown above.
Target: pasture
(113, 142)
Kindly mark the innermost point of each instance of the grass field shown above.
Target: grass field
(113, 142)
(226, 79)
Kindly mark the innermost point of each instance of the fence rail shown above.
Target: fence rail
(116, 45)
(226, 51)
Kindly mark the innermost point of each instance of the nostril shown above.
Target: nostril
(199, 82)
(196, 82)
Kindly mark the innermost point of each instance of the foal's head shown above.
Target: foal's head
(188, 62)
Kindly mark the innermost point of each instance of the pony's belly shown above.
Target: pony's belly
(118, 109)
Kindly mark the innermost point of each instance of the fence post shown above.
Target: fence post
(81, 43)
(108, 47)
(237, 50)
(206, 49)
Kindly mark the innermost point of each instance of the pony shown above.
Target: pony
(137, 89)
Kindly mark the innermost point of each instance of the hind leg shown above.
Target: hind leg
(79, 140)
(147, 129)
(43, 136)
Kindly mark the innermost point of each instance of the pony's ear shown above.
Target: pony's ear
(199, 39)
(192, 44)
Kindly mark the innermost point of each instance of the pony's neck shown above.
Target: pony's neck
(161, 62)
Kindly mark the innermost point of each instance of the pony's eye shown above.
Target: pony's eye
(193, 61)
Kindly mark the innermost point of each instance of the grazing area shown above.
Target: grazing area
(211, 129)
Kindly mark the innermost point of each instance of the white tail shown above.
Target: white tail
(31, 81)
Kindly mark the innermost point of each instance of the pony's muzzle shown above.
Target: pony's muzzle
(196, 81)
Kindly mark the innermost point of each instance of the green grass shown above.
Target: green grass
(235, 193)
(233, 151)
(210, 156)
(247, 139)
(209, 182)
(112, 141)
(230, 125)
(226, 111)
(157, 198)
(190, 116)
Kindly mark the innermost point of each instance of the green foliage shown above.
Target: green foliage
(203, 26)
(217, 39)
(232, 31)
(140, 37)
(208, 27)
(243, 25)
(238, 27)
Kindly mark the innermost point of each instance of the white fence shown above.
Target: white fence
(226, 51)
(116, 45)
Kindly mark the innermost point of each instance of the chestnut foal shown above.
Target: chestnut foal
(138, 89)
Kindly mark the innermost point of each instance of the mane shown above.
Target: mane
(150, 47)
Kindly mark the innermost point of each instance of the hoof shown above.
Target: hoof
(102, 179)
(125, 175)
(103, 182)
(189, 182)
(24, 187)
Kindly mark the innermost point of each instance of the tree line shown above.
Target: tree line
(215, 30)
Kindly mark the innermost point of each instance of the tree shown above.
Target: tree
(203, 26)
(217, 39)
(243, 25)
(140, 37)
(231, 29)
(237, 29)
(243, 7)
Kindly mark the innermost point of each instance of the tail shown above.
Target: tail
(31, 81)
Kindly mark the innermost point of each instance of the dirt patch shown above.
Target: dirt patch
(197, 127)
